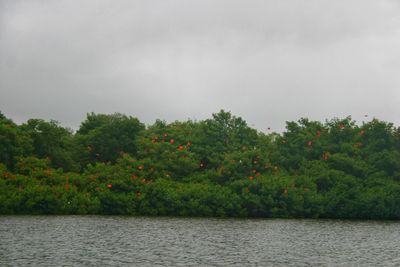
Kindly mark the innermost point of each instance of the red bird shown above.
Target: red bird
(172, 141)
(109, 186)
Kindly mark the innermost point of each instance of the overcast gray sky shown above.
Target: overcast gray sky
(266, 61)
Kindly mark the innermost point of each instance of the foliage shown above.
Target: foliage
(103, 138)
(14, 142)
(52, 141)
(216, 167)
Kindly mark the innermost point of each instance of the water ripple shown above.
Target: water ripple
(130, 241)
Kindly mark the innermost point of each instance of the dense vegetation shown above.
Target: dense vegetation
(114, 164)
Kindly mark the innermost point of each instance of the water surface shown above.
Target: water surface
(131, 241)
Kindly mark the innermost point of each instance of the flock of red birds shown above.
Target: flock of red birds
(325, 156)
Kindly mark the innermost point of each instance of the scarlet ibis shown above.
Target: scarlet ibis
(66, 186)
(172, 141)
(140, 167)
(251, 178)
(109, 186)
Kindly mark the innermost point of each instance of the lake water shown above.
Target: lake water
(131, 241)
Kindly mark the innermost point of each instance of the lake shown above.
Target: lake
(144, 241)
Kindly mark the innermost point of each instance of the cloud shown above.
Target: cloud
(267, 61)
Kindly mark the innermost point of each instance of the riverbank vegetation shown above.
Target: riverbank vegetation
(114, 164)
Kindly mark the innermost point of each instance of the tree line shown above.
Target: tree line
(114, 164)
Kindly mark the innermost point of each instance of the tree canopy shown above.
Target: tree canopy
(220, 166)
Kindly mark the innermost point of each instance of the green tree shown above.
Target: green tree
(104, 137)
(222, 134)
(14, 142)
(52, 141)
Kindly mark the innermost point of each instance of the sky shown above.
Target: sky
(267, 61)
